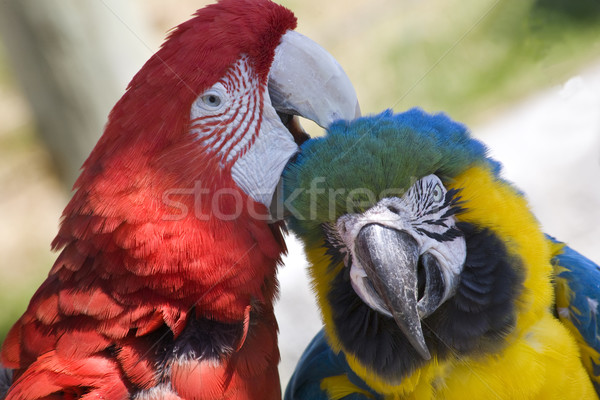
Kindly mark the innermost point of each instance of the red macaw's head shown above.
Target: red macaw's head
(216, 108)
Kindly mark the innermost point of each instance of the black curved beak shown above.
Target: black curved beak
(390, 259)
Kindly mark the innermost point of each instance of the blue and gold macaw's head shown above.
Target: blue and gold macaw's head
(418, 249)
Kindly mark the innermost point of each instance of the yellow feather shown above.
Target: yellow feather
(494, 204)
(338, 387)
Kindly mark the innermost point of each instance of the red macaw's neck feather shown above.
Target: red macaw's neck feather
(157, 231)
(176, 250)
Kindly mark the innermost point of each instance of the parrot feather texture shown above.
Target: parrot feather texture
(164, 285)
(433, 277)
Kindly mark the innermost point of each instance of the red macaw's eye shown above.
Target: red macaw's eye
(214, 101)
(211, 100)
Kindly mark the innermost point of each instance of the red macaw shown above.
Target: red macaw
(164, 285)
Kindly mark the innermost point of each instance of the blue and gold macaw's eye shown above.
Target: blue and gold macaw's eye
(429, 191)
(437, 194)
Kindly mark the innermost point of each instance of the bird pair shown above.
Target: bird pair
(433, 278)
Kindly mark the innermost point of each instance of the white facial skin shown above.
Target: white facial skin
(411, 213)
(236, 119)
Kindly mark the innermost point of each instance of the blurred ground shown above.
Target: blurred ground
(480, 61)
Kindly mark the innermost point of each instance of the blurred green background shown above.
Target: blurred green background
(469, 58)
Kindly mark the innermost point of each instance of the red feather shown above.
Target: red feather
(135, 361)
(128, 270)
(89, 378)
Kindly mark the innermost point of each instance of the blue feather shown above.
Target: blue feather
(317, 363)
(578, 297)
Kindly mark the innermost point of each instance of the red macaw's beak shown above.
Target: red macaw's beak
(305, 80)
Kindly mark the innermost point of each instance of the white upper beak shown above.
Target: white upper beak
(306, 80)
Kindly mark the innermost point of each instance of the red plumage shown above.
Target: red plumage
(130, 276)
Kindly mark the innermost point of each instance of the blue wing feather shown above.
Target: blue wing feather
(317, 363)
(577, 300)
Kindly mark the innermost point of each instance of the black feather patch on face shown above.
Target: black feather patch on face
(483, 310)
(334, 245)
(475, 320)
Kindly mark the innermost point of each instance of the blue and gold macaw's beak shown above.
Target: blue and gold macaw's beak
(404, 262)
(389, 260)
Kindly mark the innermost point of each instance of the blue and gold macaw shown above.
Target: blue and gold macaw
(433, 277)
